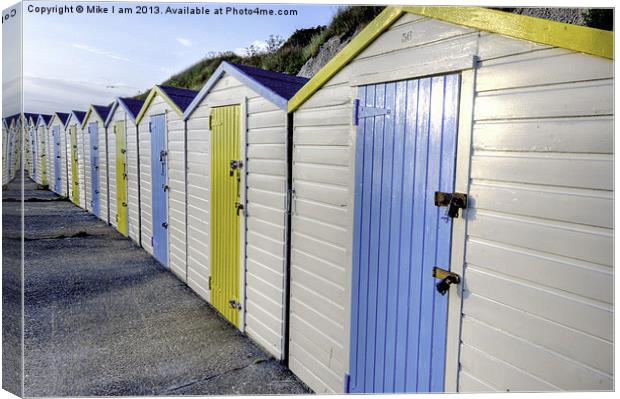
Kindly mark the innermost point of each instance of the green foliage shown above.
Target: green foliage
(282, 56)
(600, 18)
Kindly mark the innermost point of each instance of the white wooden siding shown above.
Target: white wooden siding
(103, 172)
(265, 213)
(51, 177)
(87, 177)
(119, 115)
(5, 158)
(78, 130)
(133, 215)
(538, 307)
(63, 157)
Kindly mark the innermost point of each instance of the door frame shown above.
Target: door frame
(166, 196)
(94, 153)
(459, 225)
(459, 228)
(243, 150)
(119, 204)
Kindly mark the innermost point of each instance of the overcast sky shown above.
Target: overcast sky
(73, 60)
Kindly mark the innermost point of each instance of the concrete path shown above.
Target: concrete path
(104, 318)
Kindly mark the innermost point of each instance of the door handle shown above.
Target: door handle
(164, 187)
(239, 207)
(446, 279)
(164, 225)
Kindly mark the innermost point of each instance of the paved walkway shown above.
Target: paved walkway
(103, 318)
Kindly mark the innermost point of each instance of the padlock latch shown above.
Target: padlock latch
(454, 202)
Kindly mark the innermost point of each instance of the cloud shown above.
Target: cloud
(260, 46)
(185, 42)
(47, 95)
(104, 53)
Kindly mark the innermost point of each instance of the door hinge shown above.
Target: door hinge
(209, 283)
(363, 111)
(347, 383)
(151, 241)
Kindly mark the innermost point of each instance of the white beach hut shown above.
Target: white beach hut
(123, 155)
(459, 151)
(163, 176)
(237, 198)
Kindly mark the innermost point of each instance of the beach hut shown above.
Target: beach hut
(123, 155)
(57, 128)
(31, 145)
(75, 149)
(452, 224)
(96, 161)
(43, 142)
(237, 198)
(163, 176)
(14, 146)
(6, 150)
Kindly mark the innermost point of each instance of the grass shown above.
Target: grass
(302, 45)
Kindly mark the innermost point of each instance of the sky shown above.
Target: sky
(76, 59)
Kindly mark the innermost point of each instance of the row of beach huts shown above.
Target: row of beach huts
(432, 211)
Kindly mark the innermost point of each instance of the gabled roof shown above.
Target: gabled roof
(62, 117)
(178, 99)
(100, 111)
(45, 118)
(31, 118)
(276, 87)
(571, 37)
(131, 106)
(12, 120)
(79, 116)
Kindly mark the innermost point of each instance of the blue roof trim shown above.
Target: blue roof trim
(245, 77)
(79, 115)
(102, 110)
(63, 117)
(113, 107)
(131, 106)
(46, 119)
(181, 97)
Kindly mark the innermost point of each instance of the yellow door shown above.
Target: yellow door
(121, 177)
(42, 152)
(226, 212)
(75, 195)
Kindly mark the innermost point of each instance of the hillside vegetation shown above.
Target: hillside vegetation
(290, 56)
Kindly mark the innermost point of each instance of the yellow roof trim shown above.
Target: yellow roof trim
(155, 91)
(359, 43)
(571, 37)
(91, 110)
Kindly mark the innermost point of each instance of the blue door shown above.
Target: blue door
(405, 152)
(33, 161)
(93, 131)
(159, 169)
(56, 136)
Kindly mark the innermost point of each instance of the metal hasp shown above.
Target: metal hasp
(453, 201)
(446, 278)
(234, 165)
